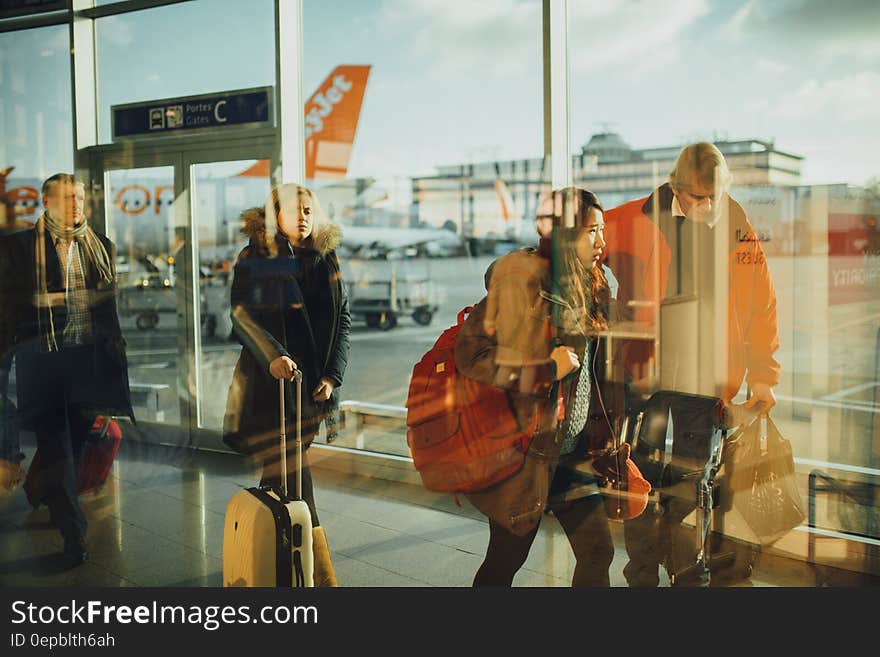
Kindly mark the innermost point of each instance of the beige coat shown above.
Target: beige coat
(517, 358)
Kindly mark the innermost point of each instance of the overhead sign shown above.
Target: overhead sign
(207, 112)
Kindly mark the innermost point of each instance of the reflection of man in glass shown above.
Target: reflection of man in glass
(10, 452)
(666, 250)
(57, 290)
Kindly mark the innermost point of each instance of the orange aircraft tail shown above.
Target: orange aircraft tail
(331, 118)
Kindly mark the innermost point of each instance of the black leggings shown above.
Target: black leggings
(586, 525)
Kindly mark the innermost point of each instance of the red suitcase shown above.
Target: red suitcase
(98, 455)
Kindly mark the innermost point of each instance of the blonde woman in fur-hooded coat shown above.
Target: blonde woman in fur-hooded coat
(290, 311)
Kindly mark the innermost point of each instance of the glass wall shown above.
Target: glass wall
(788, 93)
(448, 89)
(425, 142)
(35, 115)
(36, 125)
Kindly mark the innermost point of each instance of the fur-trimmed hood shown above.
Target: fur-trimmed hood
(325, 237)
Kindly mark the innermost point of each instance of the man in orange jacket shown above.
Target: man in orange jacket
(664, 249)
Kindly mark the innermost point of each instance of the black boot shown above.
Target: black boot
(75, 552)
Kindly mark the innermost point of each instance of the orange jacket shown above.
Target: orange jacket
(639, 255)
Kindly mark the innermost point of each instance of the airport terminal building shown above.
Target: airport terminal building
(180, 115)
(467, 194)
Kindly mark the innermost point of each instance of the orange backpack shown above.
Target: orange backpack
(462, 434)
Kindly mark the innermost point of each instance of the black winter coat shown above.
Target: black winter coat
(103, 384)
(270, 318)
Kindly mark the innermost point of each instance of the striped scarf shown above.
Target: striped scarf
(95, 256)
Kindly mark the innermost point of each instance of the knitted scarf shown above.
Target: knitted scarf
(95, 257)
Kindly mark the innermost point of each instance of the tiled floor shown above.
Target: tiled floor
(159, 522)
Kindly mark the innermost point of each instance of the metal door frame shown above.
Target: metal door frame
(181, 154)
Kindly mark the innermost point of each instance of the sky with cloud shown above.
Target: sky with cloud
(457, 81)
(461, 81)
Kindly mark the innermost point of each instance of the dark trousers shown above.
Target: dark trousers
(657, 536)
(53, 392)
(586, 525)
(60, 439)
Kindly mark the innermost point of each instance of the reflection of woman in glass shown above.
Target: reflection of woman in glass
(290, 311)
(536, 336)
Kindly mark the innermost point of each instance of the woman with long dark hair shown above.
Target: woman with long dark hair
(290, 312)
(536, 335)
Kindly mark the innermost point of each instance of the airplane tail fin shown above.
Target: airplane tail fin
(331, 118)
(505, 200)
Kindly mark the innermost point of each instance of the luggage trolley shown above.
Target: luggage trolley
(380, 292)
(670, 460)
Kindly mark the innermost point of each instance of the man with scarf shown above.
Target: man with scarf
(59, 318)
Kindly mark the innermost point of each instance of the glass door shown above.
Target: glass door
(140, 212)
(173, 213)
(220, 191)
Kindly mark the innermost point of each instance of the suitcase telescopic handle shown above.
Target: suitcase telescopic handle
(297, 376)
(283, 425)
